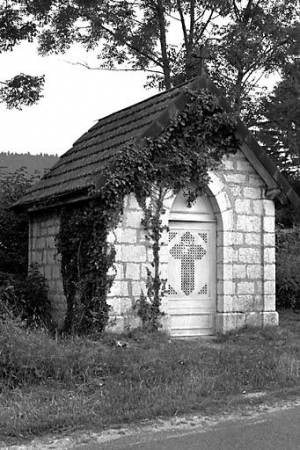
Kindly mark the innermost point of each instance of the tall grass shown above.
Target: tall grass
(52, 384)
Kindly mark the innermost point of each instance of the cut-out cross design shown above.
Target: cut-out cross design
(188, 252)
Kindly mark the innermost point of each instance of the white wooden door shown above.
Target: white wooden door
(192, 278)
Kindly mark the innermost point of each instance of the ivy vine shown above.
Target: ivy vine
(194, 143)
(148, 306)
(86, 259)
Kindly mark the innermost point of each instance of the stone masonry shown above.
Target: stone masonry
(43, 229)
(245, 252)
(245, 248)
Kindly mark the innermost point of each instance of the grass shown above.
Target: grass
(49, 386)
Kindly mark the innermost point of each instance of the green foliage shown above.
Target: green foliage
(148, 306)
(33, 357)
(35, 164)
(288, 267)
(194, 143)
(32, 300)
(86, 259)
(286, 215)
(236, 42)
(21, 90)
(14, 226)
(68, 383)
(16, 25)
(258, 38)
(279, 130)
(21, 294)
(26, 299)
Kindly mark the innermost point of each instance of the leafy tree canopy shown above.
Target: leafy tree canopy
(16, 26)
(13, 227)
(279, 132)
(237, 41)
(280, 124)
(23, 295)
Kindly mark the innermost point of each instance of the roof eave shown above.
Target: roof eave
(54, 202)
(276, 183)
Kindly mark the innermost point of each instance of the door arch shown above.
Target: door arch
(191, 267)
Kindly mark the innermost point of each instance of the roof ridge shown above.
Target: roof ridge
(179, 86)
(145, 119)
(153, 97)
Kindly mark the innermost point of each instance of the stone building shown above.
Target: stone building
(219, 255)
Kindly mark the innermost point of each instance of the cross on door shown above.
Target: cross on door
(188, 252)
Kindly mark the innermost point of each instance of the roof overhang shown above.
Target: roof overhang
(54, 202)
(276, 183)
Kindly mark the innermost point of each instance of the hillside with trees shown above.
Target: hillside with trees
(34, 164)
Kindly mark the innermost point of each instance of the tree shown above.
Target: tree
(13, 226)
(15, 27)
(261, 36)
(22, 294)
(279, 128)
(237, 41)
(278, 131)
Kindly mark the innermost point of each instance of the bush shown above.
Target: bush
(288, 268)
(25, 298)
(22, 295)
(14, 226)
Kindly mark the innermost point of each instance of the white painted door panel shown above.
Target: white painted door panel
(192, 278)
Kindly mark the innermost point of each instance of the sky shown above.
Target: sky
(74, 99)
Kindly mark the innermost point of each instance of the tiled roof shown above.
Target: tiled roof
(77, 169)
(80, 168)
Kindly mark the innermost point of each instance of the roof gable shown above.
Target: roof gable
(80, 168)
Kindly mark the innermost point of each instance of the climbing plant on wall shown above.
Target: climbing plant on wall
(182, 156)
(148, 305)
(86, 259)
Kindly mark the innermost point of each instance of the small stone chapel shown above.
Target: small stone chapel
(219, 257)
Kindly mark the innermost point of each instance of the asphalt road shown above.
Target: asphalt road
(272, 430)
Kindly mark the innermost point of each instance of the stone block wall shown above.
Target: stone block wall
(245, 251)
(245, 248)
(245, 281)
(43, 229)
(133, 254)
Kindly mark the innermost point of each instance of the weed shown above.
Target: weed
(77, 382)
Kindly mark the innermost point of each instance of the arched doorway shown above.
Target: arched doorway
(192, 268)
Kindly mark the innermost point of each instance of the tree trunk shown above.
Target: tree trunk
(238, 92)
(163, 44)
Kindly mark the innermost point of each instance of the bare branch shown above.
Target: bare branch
(183, 25)
(114, 69)
(236, 10)
(255, 82)
(206, 24)
(172, 17)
